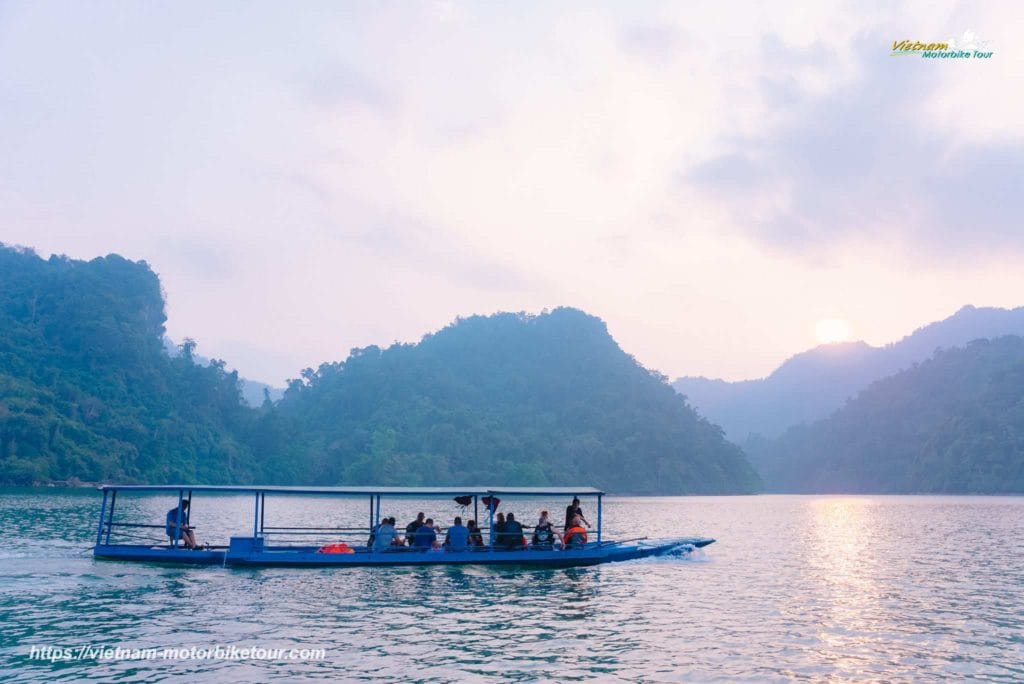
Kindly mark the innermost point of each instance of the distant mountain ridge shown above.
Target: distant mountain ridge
(952, 424)
(814, 383)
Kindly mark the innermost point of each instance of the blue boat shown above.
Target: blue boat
(276, 545)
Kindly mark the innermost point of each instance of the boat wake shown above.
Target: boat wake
(684, 553)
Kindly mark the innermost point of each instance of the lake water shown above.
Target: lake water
(866, 587)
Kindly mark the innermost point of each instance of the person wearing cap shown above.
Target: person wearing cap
(573, 510)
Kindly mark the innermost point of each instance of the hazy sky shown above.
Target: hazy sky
(712, 179)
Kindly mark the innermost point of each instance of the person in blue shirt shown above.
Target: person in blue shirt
(188, 537)
(384, 537)
(458, 536)
(425, 535)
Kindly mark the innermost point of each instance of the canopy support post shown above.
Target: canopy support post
(599, 519)
(263, 509)
(256, 517)
(103, 514)
(490, 522)
(110, 519)
(177, 529)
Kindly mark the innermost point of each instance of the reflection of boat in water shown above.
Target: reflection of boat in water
(270, 545)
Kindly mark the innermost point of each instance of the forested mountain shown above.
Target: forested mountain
(88, 393)
(254, 392)
(86, 390)
(814, 383)
(954, 423)
(511, 398)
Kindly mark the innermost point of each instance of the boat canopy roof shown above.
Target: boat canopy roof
(362, 491)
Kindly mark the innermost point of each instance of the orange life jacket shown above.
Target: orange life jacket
(575, 530)
(340, 547)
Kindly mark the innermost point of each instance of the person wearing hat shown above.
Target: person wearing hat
(573, 510)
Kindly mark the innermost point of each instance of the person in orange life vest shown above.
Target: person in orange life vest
(576, 535)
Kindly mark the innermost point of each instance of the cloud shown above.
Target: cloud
(657, 43)
(417, 246)
(862, 162)
(337, 86)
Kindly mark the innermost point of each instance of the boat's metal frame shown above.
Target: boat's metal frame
(258, 549)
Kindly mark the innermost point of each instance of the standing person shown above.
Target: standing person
(385, 535)
(457, 538)
(476, 538)
(188, 537)
(573, 510)
(410, 529)
(425, 536)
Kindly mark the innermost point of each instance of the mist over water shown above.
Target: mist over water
(852, 587)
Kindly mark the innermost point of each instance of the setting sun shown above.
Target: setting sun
(832, 330)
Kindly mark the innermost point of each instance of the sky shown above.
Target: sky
(714, 180)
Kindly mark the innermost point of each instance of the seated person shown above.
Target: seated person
(544, 533)
(188, 537)
(425, 535)
(575, 535)
(457, 538)
(385, 535)
(513, 536)
(499, 530)
(410, 529)
(476, 537)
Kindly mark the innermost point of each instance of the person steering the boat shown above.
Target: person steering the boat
(187, 535)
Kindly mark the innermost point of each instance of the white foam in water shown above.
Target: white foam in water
(683, 554)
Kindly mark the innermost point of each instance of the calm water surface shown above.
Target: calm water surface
(894, 588)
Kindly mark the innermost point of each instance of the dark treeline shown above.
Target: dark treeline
(954, 423)
(88, 393)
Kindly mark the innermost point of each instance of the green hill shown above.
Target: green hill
(954, 423)
(510, 398)
(88, 393)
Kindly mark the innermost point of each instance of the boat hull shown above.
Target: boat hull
(247, 551)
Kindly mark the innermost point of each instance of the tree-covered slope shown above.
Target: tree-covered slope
(509, 398)
(954, 423)
(86, 390)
